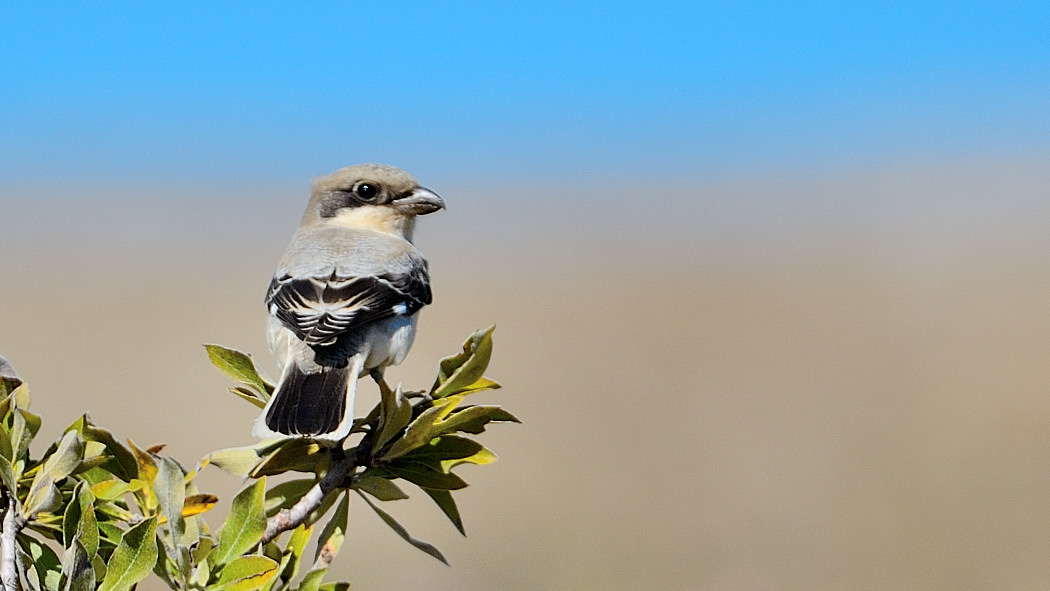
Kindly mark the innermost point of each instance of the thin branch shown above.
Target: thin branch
(13, 523)
(292, 517)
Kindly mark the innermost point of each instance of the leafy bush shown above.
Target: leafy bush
(94, 513)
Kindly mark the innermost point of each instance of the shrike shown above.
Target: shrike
(345, 297)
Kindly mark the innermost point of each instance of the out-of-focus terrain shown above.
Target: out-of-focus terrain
(771, 384)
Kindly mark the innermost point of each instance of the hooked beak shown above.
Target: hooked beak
(419, 201)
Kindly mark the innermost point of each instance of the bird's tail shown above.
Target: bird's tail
(318, 405)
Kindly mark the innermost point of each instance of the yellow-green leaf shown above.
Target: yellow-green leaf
(473, 419)
(122, 462)
(79, 520)
(249, 395)
(133, 558)
(238, 461)
(170, 490)
(240, 367)
(197, 504)
(293, 552)
(286, 494)
(26, 425)
(444, 500)
(9, 379)
(332, 535)
(44, 565)
(482, 457)
(401, 531)
(146, 465)
(459, 373)
(244, 526)
(43, 496)
(380, 488)
(312, 580)
(7, 475)
(247, 573)
(422, 428)
(396, 414)
(110, 490)
(295, 455)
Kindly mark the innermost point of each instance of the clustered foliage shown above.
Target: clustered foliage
(93, 513)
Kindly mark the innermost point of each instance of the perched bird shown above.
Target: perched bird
(345, 297)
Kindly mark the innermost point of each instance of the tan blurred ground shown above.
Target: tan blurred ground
(831, 412)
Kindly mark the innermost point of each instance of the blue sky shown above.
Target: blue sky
(222, 91)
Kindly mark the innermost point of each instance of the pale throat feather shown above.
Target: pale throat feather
(371, 217)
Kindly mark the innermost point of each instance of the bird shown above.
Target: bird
(345, 298)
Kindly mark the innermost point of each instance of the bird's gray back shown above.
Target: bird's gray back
(350, 252)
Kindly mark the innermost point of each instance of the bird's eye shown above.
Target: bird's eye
(366, 191)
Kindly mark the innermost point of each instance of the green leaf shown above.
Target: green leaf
(203, 549)
(201, 574)
(108, 530)
(99, 564)
(335, 586)
(240, 367)
(9, 379)
(293, 455)
(423, 428)
(110, 490)
(286, 494)
(249, 395)
(133, 558)
(8, 476)
(401, 531)
(448, 451)
(247, 573)
(147, 466)
(331, 538)
(244, 526)
(43, 496)
(473, 419)
(461, 373)
(379, 487)
(293, 552)
(43, 493)
(20, 397)
(426, 475)
(170, 489)
(26, 425)
(396, 414)
(441, 419)
(444, 500)
(122, 462)
(66, 458)
(6, 450)
(238, 461)
(43, 563)
(312, 580)
(77, 569)
(79, 522)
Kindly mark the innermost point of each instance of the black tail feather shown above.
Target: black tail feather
(309, 404)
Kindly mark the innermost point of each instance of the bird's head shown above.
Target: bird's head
(372, 196)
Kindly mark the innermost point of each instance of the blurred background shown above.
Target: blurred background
(769, 280)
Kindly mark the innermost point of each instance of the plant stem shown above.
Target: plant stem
(13, 523)
(290, 518)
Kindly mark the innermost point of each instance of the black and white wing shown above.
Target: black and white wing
(319, 309)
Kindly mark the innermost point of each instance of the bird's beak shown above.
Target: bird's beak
(419, 201)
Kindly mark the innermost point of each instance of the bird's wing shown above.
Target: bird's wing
(320, 308)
